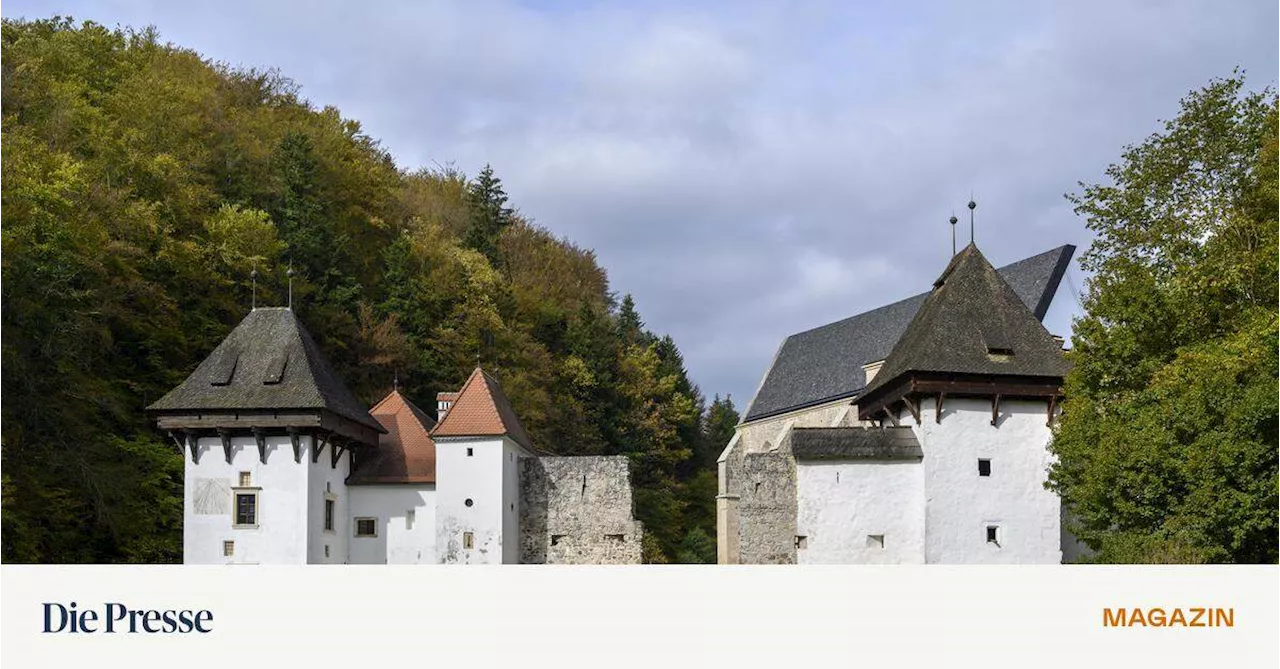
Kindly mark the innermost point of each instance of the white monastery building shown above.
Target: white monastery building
(285, 466)
(914, 433)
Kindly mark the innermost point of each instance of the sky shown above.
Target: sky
(749, 170)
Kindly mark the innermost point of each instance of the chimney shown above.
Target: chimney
(871, 369)
(443, 402)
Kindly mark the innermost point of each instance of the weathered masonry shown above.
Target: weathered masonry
(913, 433)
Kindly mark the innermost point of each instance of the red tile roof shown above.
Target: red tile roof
(406, 454)
(482, 410)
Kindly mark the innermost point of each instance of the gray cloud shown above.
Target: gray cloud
(747, 171)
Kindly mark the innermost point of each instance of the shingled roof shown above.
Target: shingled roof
(482, 410)
(825, 364)
(269, 362)
(406, 453)
(854, 443)
(973, 322)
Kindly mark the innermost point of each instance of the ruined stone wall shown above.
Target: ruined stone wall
(578, 510)
(767, 508)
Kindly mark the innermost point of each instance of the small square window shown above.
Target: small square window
(470, 451)
(802, 542)
(993, 534)
(246, 509)
(556, 539)
(245, 480)
(228, 548)
(875, 541)
(468, 540)
(366, 527)
(984, 468)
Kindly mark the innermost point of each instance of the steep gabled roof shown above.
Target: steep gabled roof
(825, 364)
(268, 362)
(973, 322)
(482, 410)
(406, 453)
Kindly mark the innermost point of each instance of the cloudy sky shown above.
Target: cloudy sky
(749, 170)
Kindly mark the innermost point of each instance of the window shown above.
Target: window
(409, 517)
(326, 550)
(328, 515)
(556, 538)
(468, 502)
(245, 480)
(228, 548)
(984, 468)
(993, 534)
(468, 540)
(366, 527)
(802, 542)
(875, 541)
(470, 451)
(615, 537)
(246, 509)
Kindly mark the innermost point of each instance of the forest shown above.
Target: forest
(143, 184)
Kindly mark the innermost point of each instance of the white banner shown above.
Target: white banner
(650, 616)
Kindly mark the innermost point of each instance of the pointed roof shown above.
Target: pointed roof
(406, 453)
(482, 410)
(268, 362)
(973, 323)
(825, 364)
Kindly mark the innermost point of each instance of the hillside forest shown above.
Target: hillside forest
(144, 183)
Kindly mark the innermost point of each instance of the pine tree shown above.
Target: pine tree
(488, 213)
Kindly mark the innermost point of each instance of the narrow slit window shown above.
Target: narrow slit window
(468, 540)
(615, 537)
(993, 534)
(802, 542)
(228, 548)
(328, 515)
(984, 468)
(470, 451)
(409, 517)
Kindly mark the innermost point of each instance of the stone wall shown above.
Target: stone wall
(767, 508)
(578, 510)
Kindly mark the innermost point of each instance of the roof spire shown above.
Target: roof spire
(972, 205)
(395, 380)
(289, 273)
(953, 231)
(253, 278)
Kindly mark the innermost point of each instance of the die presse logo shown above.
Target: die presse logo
(116, 618)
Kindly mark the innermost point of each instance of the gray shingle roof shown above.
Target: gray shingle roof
(268, 362)
(854, 443)
(825, 363)
(969, 316)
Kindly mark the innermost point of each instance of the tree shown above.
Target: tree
(488, 214)
(1166, 451)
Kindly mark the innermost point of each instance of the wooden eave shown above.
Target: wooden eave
(909, 387)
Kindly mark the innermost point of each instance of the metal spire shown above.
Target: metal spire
(953, 232)
(972, 205)
(253, 278)
(289, 274)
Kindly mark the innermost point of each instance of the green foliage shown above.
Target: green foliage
(143, 184)
(1167, 445)
(697, 547)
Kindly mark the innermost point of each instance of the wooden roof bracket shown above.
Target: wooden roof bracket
(913, 407)
(995, 408)
(317, 445)
(891, 415)
(335, 454)
(225, 434)
(937, 415)
(260, 436)
(297, 444)
(1053, 404)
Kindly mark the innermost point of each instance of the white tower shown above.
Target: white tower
(268, 431)
(479, 443)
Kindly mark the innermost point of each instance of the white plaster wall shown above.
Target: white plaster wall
(479, 478)
(208, 508)
(324, 477)
(510, 540)
(839, 503)
(960, 503)
(398, 541)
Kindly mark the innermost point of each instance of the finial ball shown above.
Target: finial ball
(972, 205)
(289, 272)
(954, 220)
